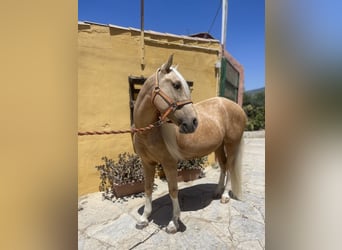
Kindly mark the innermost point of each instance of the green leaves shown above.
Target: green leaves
(128, 169)
(197, 163)
(254, 107)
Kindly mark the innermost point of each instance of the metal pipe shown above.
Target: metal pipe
(224, 23)
(142, 40)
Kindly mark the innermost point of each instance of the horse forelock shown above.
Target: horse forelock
(182, 80)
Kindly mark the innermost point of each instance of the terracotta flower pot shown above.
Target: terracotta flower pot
(188, 174)
(121, 190)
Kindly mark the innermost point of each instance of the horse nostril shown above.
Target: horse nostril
(195, 122)
(184, 125)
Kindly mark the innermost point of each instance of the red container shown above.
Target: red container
(188, 175)
(122, 190)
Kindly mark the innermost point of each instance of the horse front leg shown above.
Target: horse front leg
(171, 175)
(149, 171)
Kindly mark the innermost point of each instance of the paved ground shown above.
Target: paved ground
(206, 223)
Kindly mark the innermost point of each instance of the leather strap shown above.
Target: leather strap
(173, 106)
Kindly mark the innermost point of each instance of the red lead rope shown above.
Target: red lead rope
(131, 131)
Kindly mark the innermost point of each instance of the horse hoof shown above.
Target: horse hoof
(224, 199)
(232, 195)
(141, 224)
(171, 230)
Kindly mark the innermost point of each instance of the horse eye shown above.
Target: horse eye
(176, 85)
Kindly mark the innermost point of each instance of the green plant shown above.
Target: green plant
(196, 163)
(254, 107)
(128, 169)
(256, 117)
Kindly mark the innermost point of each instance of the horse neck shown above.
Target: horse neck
(145, 112)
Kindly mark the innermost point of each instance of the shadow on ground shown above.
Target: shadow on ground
(190, 199)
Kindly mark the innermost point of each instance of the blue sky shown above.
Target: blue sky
(245, 32)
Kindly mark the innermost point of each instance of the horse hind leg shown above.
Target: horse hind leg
(221, 159)
(233, 166)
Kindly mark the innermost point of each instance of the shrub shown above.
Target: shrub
(254, 107)
(128, 169)
(196, 163)
(256, 117)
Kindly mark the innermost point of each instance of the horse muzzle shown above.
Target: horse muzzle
(188, 126)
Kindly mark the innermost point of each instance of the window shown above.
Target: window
(229, 83)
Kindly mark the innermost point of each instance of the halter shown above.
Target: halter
(173, 106)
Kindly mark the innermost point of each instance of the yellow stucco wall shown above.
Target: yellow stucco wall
(106, 57)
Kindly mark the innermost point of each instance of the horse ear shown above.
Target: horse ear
(165, 68)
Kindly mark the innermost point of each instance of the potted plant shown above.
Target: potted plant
(188, 170)
(121, 178)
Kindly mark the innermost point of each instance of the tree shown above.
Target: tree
(254, 106)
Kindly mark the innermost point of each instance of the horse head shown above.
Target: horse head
(171, 96)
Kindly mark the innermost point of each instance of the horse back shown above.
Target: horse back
(229, 116)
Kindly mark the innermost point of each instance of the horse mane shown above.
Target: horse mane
(169, 133)
(148, 84)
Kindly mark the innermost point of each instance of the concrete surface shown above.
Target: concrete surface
(205, 222)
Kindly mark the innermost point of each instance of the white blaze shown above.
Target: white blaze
(182, 80)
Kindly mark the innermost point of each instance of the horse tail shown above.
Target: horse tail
(236, 171)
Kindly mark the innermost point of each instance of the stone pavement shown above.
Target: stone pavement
(205, 222)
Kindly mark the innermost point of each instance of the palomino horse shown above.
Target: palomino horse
(214, 125)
